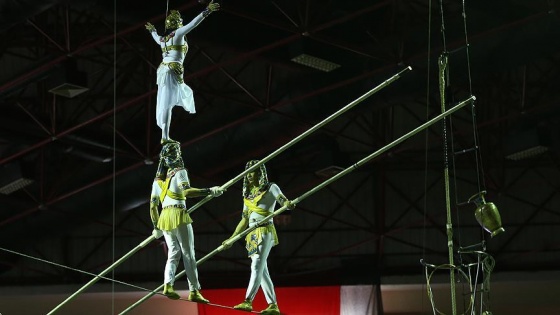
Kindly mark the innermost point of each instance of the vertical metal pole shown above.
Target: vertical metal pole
(442, 63)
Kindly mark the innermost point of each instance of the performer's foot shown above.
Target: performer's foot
(272, 309)
(247, 305)
(169, 292)
(195, 296)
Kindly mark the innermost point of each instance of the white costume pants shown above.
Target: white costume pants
(171, 93)
(181, 241)
(259, 271)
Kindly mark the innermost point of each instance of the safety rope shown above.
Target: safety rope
(114, 180)
(112, 280)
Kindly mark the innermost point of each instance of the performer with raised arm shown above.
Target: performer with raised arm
(170, 189)
(172, 90)
(259, 199)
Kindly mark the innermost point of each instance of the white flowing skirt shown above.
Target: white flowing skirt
(171, 93)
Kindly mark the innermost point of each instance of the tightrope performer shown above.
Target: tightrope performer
(259, 199)
(170, 189)
(172, 90)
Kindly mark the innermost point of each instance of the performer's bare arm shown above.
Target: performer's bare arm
(241, 226)
(154, 213)
(154, 204)
(154, 210)
(191, 192)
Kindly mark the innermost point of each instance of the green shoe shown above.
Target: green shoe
(169, 292)
(247, 306)
(195, 296)
(272, 309)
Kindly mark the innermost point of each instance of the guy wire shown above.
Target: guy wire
(478, 156)
(76, 270)
(114, 150)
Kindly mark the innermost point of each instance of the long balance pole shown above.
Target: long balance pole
(240, 176)
(303, 135)
(314, 190)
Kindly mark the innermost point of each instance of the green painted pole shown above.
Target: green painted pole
(305, 134)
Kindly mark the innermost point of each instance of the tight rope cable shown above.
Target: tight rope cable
(104, 278)
(74, 269)
(254, 167)
(316, 189)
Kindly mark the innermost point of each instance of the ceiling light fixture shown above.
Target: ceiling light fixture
(315, 62)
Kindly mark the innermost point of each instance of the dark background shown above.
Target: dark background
(90, 159)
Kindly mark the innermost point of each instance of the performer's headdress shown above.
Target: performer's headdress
(171, 155)
(161, 172)
(173, 20)
(263, 178)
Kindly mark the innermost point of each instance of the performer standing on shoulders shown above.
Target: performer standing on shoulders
(170, 189)
(172, 90)
(259, 199)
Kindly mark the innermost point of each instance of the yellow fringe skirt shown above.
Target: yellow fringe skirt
(170, 218)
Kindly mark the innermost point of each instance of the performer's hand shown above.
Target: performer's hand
(157, 233)
(216, 191)
(213, 6)
(150, 27)
(289, 205)
(226, 244)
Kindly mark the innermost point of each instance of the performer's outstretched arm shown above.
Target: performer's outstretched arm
(183, 30)
(152, 29)
(192, 192)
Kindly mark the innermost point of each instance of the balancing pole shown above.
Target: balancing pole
(314, 190)
(303, 135)
(240, 176)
